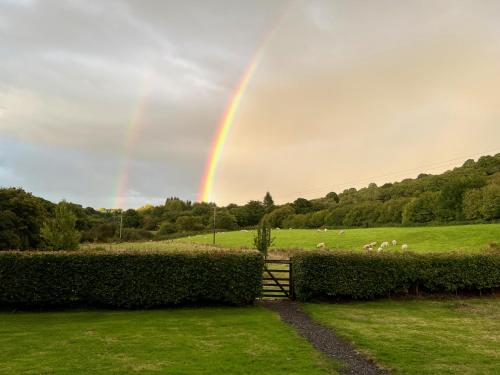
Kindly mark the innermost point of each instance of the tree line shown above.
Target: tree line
(470, 193)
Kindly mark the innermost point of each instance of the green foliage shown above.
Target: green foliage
(132, 219)
(422, 209)
(59, 233)
(129, 279)
(21, 216)
(333, 196)
(365, 276)
(268, 202)
(167, 228)
(302, 206)
(276, 217)
(248, 215)
(189, 223)
(262, 239)
(223, 220)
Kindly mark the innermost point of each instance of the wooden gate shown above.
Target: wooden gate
(277, 281)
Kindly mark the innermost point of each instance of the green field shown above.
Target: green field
(421, 336)
(248, 340)
(469, 238)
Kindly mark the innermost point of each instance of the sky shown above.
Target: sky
(116, 103)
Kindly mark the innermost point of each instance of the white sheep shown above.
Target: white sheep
(342, 232)
(290, 228)
(394, 242)
(278, 228)
(318, 230)
(380, 249)
(373, 243)
(384, 244)
(325, 230)
(366, 247)
(321, 245)
(404, 247)
(244, 230)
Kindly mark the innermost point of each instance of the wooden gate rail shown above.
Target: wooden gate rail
(279, 282)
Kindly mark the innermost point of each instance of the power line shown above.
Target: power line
(396, 173)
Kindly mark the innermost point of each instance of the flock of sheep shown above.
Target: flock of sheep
(368, 247)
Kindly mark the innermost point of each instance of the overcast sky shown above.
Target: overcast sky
(347, 92)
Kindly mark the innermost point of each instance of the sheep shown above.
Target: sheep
(384, 244)
(373, 243)
(243, 230)
(290, 228)
(318, 230)
(394, 242)
(366, 247)
(404, 247)
(321, 245)
(380, 249)
(325, 230)
(342, 232)
(278, 228)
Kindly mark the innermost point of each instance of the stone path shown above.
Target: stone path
(324, 339)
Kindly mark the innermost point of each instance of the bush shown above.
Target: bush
(350, 275)
(129, 279)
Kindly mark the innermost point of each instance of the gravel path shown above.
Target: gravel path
(324, 339)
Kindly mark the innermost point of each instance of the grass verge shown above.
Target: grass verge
(421, 336)
(247, 340)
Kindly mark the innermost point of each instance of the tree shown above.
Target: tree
(189, 223)
(21, 216)
(275, 218)
(268, 202)
(132, 219)
(250, 214)
(472, 203)
(333, 196)
(60, 233)
(422, 209)
(262, 240)
(491, 202)
(167, 228)
(223, 220)
(302, 206)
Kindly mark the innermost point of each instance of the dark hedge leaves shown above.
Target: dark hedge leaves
(129, 279)
(352, 275)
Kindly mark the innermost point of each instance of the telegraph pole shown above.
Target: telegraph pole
(121, 224)
(215, 208)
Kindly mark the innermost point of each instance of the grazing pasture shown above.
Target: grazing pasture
(218, 340)
(468, 238)
(421, 336)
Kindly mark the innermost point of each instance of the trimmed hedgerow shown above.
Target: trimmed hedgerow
(351, 275)
(129, 279)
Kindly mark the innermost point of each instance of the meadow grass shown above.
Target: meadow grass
(217, 340)
(467, 238)
(421, 336)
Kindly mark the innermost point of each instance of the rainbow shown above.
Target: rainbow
(226, 122)
(132, 136)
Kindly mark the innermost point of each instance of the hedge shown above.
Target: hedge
(350, 275)
(129, 279)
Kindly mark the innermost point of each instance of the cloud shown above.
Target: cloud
(343, 89)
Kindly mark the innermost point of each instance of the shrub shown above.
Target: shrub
(60, 233)
(351, 275)
(129, 279)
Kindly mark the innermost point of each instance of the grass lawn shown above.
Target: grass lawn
(218, 340)
(470, 238)
(421, 336)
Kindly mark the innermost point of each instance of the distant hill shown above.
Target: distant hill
(467, 194)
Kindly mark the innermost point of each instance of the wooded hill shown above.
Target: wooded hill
(470, 193)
